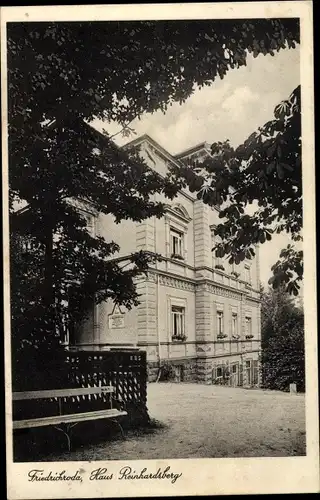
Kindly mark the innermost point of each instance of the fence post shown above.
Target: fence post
(293, 388)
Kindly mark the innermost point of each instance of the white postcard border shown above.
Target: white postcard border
(199, 476)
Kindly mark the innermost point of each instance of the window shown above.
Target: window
(248, 372)
(178, 323)
(248, 322)
(217, 262)
(176, 230)
(220, 323)
(176, 243)
(247, 271)
(234, 324)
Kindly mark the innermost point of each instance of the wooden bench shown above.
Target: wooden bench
(64, 422)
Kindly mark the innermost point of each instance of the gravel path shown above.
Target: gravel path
(209, 421)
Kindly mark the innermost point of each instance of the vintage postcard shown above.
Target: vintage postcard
(159, 250)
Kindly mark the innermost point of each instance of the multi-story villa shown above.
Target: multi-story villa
(197, 313)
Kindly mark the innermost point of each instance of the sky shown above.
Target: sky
(232, 109)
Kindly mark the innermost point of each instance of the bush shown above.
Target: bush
(282, 359)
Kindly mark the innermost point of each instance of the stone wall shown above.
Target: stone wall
(178, 370)
(204, 370)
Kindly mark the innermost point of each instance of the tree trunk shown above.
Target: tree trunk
(49, 295)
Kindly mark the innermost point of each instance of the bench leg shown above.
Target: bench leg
(66, 432)
(119, 425)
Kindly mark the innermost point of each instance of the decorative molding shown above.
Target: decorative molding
(203, 348)
(176, 283)
(197, 342)
(223, 292)
(238, 291)
(254, 301)
(151, 277)
(180, 283)
(173, 282)
(179, 211)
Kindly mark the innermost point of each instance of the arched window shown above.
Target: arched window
(177, 220)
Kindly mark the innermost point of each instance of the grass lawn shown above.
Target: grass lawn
(199, 421)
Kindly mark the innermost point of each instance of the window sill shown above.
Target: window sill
(235, 276)
(178, 340)
(222, 269)
(177, 257)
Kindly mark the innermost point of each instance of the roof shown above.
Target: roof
(147, 138)
(198, 147)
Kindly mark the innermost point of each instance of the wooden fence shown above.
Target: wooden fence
(125, 370)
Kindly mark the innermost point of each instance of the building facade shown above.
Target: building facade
(198, 314)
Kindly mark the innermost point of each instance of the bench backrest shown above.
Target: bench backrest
(62, 393)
